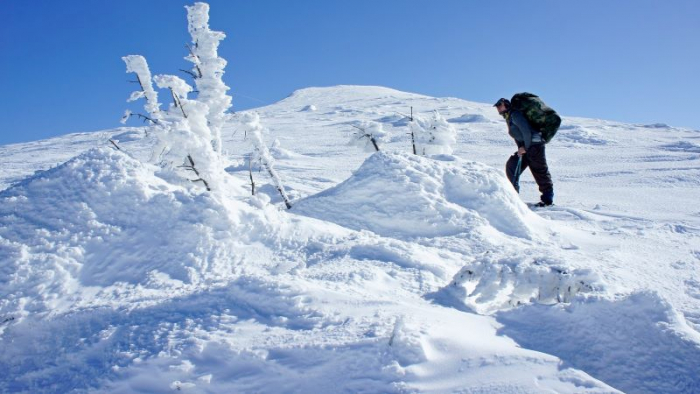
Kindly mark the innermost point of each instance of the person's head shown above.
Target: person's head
(502, 105)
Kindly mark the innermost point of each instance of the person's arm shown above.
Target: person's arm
(523, 125)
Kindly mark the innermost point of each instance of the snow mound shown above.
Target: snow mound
(278, 152)
(395, 120)
(355, 92)
(575, 134)
(104, 220)
(407, 196)
(470, 118)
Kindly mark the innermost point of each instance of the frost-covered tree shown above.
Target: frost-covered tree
(367, 135)
(189, 132)
(186, 139)
(255, 130)
(433, 135)
(208, 69)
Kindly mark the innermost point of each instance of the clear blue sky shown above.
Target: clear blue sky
(630, 60)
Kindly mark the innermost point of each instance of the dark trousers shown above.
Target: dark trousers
(537, 161)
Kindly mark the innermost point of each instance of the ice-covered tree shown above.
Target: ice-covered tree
(367, 135)
(208, 69)
(254, 131)
(433, 135)
(186, 141)
(189, 130)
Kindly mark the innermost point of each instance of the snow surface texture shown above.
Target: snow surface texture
(391, 273)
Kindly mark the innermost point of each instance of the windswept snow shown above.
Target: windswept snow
(391, 273)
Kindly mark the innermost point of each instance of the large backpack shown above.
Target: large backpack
(540, 116)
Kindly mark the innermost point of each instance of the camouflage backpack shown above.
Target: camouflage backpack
(540, 116)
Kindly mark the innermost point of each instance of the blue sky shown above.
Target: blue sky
(628, 60)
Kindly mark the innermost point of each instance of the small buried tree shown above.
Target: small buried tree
(367, 135)
(433, 136)
(189, 131)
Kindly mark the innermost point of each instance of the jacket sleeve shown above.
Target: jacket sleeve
(523, 125)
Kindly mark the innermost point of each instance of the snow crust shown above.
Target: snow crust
(393, 272)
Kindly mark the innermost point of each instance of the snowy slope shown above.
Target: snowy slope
(391, 273)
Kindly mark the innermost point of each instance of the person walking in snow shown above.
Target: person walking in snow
(531, 152)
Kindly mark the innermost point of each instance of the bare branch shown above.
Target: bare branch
(193, 75)
(413, 137)
(140, 83)
(192, 168)
(178, 103)
(199, 71)
(146, 118)
(413, 141)
(250, 172)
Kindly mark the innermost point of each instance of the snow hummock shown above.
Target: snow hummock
(392, 272)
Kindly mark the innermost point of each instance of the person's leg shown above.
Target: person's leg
(540, 171)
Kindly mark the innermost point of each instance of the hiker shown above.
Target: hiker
(531, 152)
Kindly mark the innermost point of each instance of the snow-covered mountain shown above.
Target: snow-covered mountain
(392, 272)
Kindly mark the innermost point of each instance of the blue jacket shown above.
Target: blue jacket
(521, 131)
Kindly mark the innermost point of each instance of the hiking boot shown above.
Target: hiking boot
(544, 204)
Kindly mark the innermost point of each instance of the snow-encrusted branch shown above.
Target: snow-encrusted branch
(252, 123)
(137, 64)
(178, 89)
